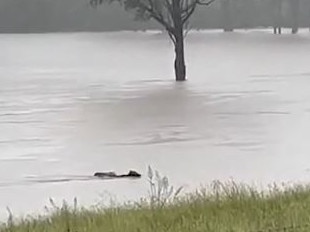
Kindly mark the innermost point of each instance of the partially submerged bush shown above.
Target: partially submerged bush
(161, 192)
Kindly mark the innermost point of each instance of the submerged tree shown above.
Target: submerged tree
(295, 8)
(227, 15)
(277, 16)
(173, 15)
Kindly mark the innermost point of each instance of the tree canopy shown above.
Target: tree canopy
(162, 11)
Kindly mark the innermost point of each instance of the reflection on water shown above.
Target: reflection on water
(96, 104)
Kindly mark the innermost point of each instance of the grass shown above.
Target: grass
(221, 207)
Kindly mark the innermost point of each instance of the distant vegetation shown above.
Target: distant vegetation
(219, 208)
(77, 15)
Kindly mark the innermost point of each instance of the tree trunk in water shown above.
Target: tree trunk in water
(227, 15)
(309, 15)
(295, 15)
(277, 17)
(179, 63)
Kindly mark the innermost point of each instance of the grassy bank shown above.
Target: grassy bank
(220, 207)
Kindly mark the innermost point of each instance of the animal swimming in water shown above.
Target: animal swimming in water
(131, 173)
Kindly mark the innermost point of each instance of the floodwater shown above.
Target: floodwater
(75, 104)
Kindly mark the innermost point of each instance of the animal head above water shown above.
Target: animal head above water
(132, 173)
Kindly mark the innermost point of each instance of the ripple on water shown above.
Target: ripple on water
(19, 159)
(242, 145)
(51, 179)
(162, 135)
(25, 140)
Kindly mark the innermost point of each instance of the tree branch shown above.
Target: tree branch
(201, 2)
(157, 16)
(172, 37)
(190, 9)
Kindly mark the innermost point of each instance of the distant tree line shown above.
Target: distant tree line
(231, 14)
(77, 15)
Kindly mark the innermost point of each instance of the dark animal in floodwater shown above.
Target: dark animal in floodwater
(131, 173)
(105, 174)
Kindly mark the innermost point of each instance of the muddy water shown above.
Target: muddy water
(75, 104)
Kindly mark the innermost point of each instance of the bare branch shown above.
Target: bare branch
(188, 12)
(187, 28)
(172, 37)
(200, 2)
(169, 6)
(157, 16)
(190, 9)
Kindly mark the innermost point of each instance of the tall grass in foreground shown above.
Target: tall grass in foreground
(220, 207)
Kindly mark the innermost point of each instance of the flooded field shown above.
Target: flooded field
(75, 104)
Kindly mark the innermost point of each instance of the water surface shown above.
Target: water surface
(75, 104)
